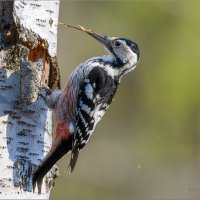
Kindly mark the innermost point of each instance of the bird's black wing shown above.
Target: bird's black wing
(95, 95)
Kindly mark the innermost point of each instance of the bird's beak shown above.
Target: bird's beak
(105, 40)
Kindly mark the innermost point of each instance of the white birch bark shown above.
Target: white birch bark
(28, 36)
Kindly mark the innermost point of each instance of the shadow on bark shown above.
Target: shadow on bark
(8, 29)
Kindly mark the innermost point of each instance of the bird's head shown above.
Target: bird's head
(124, 51)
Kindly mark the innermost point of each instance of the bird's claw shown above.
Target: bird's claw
(46, 89)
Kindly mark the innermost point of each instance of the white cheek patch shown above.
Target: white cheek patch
(126, 54)
(133, 58)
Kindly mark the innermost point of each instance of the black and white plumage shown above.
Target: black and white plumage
(86, 97)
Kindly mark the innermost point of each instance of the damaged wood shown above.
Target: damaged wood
(9, 34)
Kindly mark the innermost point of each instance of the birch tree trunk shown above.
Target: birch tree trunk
(28, 36)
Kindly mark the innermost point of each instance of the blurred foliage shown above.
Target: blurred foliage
(148, 144)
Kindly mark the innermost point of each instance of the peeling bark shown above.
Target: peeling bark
(28, 31)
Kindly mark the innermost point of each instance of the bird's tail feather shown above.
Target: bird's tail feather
(50, 159)
(74, 157)
(61, 145)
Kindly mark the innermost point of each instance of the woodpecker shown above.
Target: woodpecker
(86, 97)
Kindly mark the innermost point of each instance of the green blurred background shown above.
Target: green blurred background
(148, 144)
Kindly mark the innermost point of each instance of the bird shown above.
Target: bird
(86, 97)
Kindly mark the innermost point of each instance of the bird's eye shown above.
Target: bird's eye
(117, 43)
